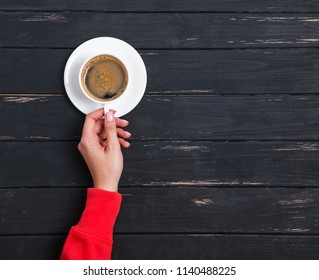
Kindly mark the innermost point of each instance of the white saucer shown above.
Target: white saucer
(118, 48)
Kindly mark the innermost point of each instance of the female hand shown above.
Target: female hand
(100, 147)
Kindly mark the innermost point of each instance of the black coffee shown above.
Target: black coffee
(104, 78)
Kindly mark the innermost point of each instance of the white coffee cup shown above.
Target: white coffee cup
(104, 77)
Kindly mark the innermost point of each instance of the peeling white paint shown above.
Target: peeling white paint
(299, 147)
(295, 201)
(298, 230)
(191, 39)
(281, 19)
(252, 183)
(192, 183)
(308, 19)
(268, 19)
(46, 17)
(6, 137)
(308, 40)
(209, 182)
(186, 148)
(23, 99)
(266, 41)
(149, 53)
(202, 202)
(183, 91)
(38, 137)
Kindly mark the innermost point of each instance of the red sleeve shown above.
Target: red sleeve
(92, 237)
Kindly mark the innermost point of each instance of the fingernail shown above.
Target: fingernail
(109, 116)
(128, 134)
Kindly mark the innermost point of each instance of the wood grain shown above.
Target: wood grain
(144, 247)
(167, 210)
(272, 6)
(172, 30)
(167, 163)
(224, 160)
(196, 117)
(177, 72)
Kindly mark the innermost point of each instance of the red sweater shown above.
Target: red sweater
(92, 237)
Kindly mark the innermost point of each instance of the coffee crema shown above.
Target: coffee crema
(104, 78)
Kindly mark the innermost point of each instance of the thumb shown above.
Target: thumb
(110, 128)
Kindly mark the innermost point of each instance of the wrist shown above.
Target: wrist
(105, 182)
(107, 186)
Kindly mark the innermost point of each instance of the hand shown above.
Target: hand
(101, 148)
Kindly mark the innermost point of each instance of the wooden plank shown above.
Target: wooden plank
(178, 72)
(31, 247)
(251, 247)
(242, 117)
(167, 210)
(163, 246)
(26, 211)
(167, 163)
(163, 30)
(166, 6)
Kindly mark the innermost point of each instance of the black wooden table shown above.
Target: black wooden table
(225, 156)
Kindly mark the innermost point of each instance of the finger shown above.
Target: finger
(110, 129)
(90, 120)
(99, 126)
(118, 121)
(124, 143)
(121, 122)
(122, 133)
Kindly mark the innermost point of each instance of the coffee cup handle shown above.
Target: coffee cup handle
(106, 108)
